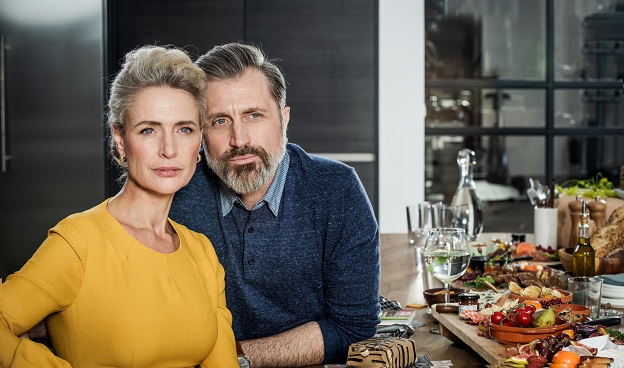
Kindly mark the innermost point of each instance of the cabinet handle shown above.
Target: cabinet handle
(4, 157)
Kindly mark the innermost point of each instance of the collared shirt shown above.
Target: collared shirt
(272, 197)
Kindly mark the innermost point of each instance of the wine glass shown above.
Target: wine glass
(447, 256)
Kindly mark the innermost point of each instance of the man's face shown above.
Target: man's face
(246, 134)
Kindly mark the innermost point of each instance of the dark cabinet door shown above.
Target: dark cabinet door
(327, 50)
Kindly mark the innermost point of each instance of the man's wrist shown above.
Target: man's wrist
(243, 361)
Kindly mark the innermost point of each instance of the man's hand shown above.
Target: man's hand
(37, 332)
(298, 347)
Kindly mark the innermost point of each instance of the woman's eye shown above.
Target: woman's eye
(147, 131)
(186, 130)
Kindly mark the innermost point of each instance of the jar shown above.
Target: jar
(468, 301)
(491, 267)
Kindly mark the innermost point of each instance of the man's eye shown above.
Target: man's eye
(220, 121)
(147, 131)
(256, 115)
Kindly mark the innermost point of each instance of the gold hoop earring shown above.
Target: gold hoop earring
(199, 158)
(123, 159)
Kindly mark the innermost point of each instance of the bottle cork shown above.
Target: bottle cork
(575, 216)
(597, 212)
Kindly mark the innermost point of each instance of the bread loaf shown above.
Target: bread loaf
(607, 241)
(617, 217)
(382, 353)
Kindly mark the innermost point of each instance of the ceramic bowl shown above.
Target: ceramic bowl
(566, 297)
(436, 295)
(522, 335)
(576, 309)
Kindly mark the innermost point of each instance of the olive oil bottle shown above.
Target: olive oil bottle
(583, 261)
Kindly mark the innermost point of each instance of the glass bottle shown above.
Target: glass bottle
(466, 193)
(583, 259)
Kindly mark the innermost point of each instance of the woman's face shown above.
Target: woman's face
(161, 140)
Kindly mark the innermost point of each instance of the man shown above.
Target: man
(295, 233)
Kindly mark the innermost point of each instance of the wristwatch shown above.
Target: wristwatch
(242, 359)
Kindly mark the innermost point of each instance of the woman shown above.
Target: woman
(120, 284)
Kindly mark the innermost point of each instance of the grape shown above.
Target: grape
(541, 345)
(547, 353)
(564, 339)
(558, 346)
(551, 339)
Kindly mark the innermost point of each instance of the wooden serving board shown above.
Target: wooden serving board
(488, 349)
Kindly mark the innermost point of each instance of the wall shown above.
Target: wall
(401, 110)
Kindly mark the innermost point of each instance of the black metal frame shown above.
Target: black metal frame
(549, 85)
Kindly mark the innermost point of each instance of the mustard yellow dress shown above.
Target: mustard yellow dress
(110, 301)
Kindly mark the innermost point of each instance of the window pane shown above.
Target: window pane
(504, 166)
(588, 108)
(588, 40)
(485, 39)
(476, 107)
(505, 160)
(583, 157)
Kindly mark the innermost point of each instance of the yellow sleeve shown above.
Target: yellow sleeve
(224, 352)
(47, 283)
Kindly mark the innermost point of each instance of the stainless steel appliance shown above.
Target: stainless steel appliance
(51, 97)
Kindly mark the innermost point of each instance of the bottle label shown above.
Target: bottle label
(462, 308)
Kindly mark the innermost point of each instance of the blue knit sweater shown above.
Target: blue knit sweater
(318, 260)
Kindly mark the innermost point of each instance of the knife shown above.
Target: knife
(605, 321)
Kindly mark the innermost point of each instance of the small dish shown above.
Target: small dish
(522, 335)
(576, 309)
(566, 297)
(436, 295)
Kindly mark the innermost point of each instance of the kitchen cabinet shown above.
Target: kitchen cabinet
(51, 96)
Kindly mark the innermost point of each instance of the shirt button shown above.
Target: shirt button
(251, 230)
(251, 262)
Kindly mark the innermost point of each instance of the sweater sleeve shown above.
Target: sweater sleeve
(224, 352)
(47, 283)
(352, 273)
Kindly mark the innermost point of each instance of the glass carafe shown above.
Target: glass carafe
(466, 194)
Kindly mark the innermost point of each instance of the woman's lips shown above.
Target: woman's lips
(167, 172)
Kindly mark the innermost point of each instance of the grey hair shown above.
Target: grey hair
(151, 66)
(232, 61)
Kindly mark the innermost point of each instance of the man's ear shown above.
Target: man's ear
(286, 116)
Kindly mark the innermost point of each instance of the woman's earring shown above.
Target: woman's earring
(122, 159)
(199, 158)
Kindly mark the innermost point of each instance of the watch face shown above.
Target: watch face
(243, 362)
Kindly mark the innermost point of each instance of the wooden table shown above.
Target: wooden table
(401, 282)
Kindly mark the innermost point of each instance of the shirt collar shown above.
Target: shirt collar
(272, 197)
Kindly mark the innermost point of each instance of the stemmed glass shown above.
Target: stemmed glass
(446, 256)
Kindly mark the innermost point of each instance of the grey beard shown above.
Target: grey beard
(247, 178)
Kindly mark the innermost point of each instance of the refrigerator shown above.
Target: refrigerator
(52, 149)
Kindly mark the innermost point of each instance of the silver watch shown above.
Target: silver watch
(243, 362)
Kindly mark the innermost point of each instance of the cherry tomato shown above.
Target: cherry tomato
(497, 317)
(510, 323)
(530, 309)
(523, 319)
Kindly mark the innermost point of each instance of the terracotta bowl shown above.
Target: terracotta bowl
(436, 295)
(576, 309)
(565, 256)
(604, 266)
(566, 297)
(522, 335)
